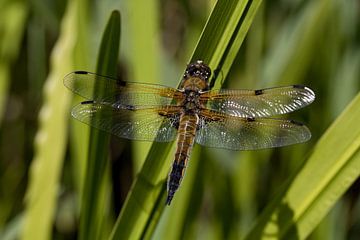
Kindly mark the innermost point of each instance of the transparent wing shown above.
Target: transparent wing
(147, 124)
(114, 90)
(236, 133)
(259, 103)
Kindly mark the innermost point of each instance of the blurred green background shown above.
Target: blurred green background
(310, 42)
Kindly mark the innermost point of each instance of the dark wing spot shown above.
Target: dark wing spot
(162, 114)
(259, 92)
(130, 107)
(296, 123)
(299, 86)
(250, 119)
(81, 72)
(120, 83)
(87, 102)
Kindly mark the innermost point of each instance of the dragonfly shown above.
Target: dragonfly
(192, 113)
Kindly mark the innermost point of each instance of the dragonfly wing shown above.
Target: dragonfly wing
(114, 90)
(236, 133)
(259, 103)
(146, 124)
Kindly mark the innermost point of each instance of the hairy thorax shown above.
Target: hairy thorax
(192, 88)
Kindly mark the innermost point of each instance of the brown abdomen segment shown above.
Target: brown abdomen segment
(185, 142)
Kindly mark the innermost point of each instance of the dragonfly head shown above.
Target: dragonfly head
(198, 69)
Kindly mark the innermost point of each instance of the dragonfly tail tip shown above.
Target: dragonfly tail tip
(168, 199)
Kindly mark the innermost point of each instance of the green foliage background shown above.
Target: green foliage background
(51, 185)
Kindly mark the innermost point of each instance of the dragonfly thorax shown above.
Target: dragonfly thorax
(191, 102)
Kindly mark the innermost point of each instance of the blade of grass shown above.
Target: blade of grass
(10, 46)
(79, 132)
(144, 195)
(11, 35)
(143, 55)
(330, 170)
(94, 197)
(218, 45)
(292, 56)
(50, 141)
(221, 41)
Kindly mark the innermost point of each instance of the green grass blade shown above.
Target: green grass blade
(10, 43)
(218, 45)
(224, 33)
(143, 56)
(146, 195)
(330, 170)
(94, 197)
(10, 40)
(79, 132)
(109, 48)
(50, 142)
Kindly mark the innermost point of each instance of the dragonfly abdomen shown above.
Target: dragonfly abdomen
(185, 142)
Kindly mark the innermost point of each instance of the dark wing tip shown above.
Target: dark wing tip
(297, 123)
(259, 92)
(299, 86)
(69, 78)
(250, 119)
(87, 102)
(81, 72)
(305, 132)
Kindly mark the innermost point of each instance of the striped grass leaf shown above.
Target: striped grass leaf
(50, 142)
(332, 167)
(143, 56)
(95, 193)
(11, 35)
